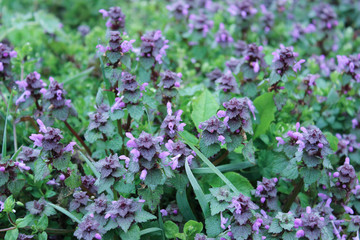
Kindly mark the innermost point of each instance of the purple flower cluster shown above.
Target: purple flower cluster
(154, 45)
(110, 167)
(284, 59)
(130, 89)
(244, 9)
(234, 65)
(36, 207)
(267, 19)
(254, 58)
(299, 30)
(326, 17)
(49, 139)
(179, 9)
(32, 86)
(311, 141)
(227, 83)
(223, 37)
(213, 131)
(172, 212)
(144, 154)
(326, 65)
(308, 83)
(355, 122)
(28, 154)
(200, 24)
(239, 48)
(241, 207)
(345, 175)
(123, 212)
(350, 65)
(311, 223)
(88, 182)
(116, 17)
(213, 76)
(347, 144)
(99, 120)
(79, 202)
(171, 124)
(88, 229)
(266, 191)
(5, 60)
(179, 153)
(83, 30)
(169, 81)
(237, 115)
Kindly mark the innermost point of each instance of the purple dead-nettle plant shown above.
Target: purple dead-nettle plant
(49, 139)
(308, 83)
(266, 192)
(83, 30)
(243, 10)
(22, 236)
(213, 76)
(326, 65)
(88, 182)
(124, 212)
(130, 90)
(5, 60)
(40, 207)
(356, 121)
(219, 199)
(267, 19)
(28, 154)
(299, 31)
(169, 81)
(241, 207)
(99, 124)
(116, 18)
(154, 46)
(172, 213)
(326, 18)
(179, 153)
(55, 101)
(233, 65)
(79, 201)
(345, 176)
(350, 65)
(110, 167)
(253, 61)
(227, 83)
(89, 229)
(146, 156)
(32, 87)
(285, 60)
(347, 144)
(172, 123)
(354, 224)
(239, 48)
(223, 37)
(200, 23)
(179, 9)
(99, 205)
(213, 131)
(238, 114)
(309, 146)
(311, 224)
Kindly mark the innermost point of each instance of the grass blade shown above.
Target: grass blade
(91, 165)
(64, 211)
(3, 152)
(79, 75)
(184, 206)
(198, 191)
(210, 165)
(150, 230)
(223, 168)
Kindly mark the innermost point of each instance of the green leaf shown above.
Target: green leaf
(171, 229)
(126, 60)
(333, 141)
(41, 170)
(9, 204)
(16, 186)
(73, 181)
(191, 228)
(48, 21)
(43, 223)
(23, 222)
(198, 191)
(204, 107)
(147, 62)
(90, 164)
(183, 204)
(212, 225)
(42, 236)
(333, 97)
(143, 216)
(136, 111)
(265, 106)
(62, 162)
(190, 137)
(242, 184)
(150, 230)
(132, 233)
(12, 234)
(275, 227)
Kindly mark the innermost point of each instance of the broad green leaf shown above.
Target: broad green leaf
(265, 106)
(333, 141)
(192, 227)
(171, 229)
(204, 107)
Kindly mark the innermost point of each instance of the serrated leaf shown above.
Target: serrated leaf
(136, 111)
(73, 181)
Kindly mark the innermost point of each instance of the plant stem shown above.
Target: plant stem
(221, 158)
(78, 137)
(7, 229)
(293, 196)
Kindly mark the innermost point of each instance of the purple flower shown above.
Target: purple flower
(242, 9)
(118, 105)
(179, 152)
(109, 166)
(154, 45)
(5, 60)
(284, 58)
(116, 17)
(88, 229)
(327, 18)
(171, 124)
(127, 45)
(297, 65)
(200, 24)
(80, 200)
(227, 83)
(266, 191)
(213, 76)
(179, 9)
(28, 154)
(242, 207)
(223, 221)
(223, 37)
